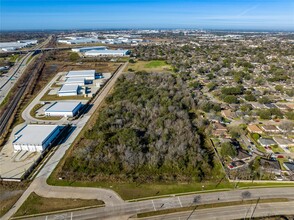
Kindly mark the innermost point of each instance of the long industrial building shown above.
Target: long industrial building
(64, 109)
(35, 137)
(75, 81)
(85, 49)
(78, 40)
(11, 46)
(86, 74)
(69, 90)
(114, 53)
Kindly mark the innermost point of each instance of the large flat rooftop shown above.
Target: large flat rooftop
(80, 80)
(106, 52)
(33, 134)
(81, 73)
(63, 106)
(89, 48)
(68, 88)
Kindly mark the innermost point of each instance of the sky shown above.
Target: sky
(98, 14)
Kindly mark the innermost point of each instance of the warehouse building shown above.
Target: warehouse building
(78, 40)
(10, 46)
(75, 81)
(86, 74)
(85, 49)
(114, 53)
(35, 137)
(64, 109)
(69, 90)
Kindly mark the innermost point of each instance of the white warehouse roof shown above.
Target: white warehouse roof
(34, 134)
(69, 88)
(75, 81)
(63, 107)
(106, 52)
(81, 73)
(84, 49)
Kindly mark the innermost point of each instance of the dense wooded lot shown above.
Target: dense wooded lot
(146, 132)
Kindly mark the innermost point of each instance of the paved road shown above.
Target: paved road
(26, 113)
(125, 210)
(234, 212)
(8, 81)
(39, 184)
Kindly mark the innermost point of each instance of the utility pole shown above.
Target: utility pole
(192, 212)
(255, 207)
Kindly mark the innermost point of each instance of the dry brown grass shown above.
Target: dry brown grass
(36, 204)
(63, 66)
(7, 203)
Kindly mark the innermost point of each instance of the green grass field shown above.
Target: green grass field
(149, 66)
(133, 191)
(155, 64)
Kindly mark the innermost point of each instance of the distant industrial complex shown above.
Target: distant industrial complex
(11, 46)
(101, 51)
(103, 39)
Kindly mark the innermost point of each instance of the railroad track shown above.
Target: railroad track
(4, 119)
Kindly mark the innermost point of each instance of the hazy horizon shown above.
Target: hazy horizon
(147, 14)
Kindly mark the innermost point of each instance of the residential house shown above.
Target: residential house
(290, 105)
(270, 129)
(236, 164)
(289, 166)
(270, 166)
(282, 107)
(254, 129)
(283, 142)
(283, 130)
(228, 113)
(257, 105)
(220, 130)
(265, 142)
(270, 105)
(242, 155)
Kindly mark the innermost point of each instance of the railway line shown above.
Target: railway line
(4, 119)
(10, 109)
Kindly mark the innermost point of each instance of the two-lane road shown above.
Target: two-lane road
(232, 212)
(127, 209)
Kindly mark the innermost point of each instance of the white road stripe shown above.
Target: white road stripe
(153, 205)
(180, 202)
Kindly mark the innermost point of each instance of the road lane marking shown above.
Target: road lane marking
(153, 205)
(180, 202)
